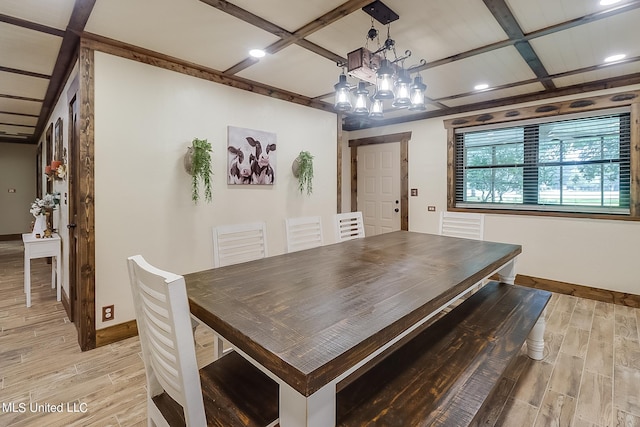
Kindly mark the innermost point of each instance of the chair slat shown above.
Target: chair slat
(303, 233)
(233, 244)
(459, 224)
(349, 226)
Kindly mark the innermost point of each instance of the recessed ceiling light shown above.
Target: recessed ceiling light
(257, 53)
(481, 86)
(614, 58)
(608, 2)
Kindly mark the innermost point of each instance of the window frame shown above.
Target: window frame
(586, 107)
(530, 165)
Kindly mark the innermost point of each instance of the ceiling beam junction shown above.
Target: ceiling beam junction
(67, 54)
(287, 38)
(509, 24)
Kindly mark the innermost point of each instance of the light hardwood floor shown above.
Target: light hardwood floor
(590, 375)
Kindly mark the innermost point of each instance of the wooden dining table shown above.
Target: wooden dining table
(312, 319)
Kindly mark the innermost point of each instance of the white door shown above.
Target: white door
(379, 187)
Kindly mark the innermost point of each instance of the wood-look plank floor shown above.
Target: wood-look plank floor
(41, 363)
(590, 375)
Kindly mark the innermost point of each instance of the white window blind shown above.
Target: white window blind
(576, 165)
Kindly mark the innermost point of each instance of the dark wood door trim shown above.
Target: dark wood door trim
(85, 208)
(39, 171)
(73, 139)
(48, 155)
(403, 138)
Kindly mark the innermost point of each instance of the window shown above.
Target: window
(580, 165)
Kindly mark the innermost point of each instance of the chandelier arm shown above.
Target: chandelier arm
(380, 49)
(407, 54)
(417, 67)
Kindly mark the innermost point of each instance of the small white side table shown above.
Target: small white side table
(40, 248)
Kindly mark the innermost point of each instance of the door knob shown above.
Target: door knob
(397, 210)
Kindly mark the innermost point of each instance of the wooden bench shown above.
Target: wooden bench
(444, 375)
(235, 393)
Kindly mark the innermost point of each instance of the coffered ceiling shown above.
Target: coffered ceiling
(522, 49)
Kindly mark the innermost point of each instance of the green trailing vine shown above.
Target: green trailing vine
(305, 172)
(201, 169)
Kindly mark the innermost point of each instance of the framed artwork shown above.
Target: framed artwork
(252, 156)
(39, 171)
(48, 150)
(58, 142)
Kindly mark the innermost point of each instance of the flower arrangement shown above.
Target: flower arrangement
(40, 206)
(56, 170)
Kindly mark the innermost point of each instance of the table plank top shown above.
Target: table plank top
(309, 316)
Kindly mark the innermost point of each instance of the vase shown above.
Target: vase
(39, 226)
(48, 216)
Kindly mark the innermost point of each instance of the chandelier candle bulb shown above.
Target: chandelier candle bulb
(343, 96)
(402, 98)
(384, 83)
(377, 109)
(360, 107)
(417, 94)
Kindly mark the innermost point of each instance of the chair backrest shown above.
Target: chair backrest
(164, 327)
(349, 226)
(303, 233)
(233, 244)
(458, 224)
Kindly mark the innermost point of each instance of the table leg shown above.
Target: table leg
(53, 273)
(218, 347)
(58, 278)
(27, 277)
(535, 340)
(507, 273)
(317, 410)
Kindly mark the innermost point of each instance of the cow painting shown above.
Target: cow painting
(242, 159)
(251, 156)
(261, 169)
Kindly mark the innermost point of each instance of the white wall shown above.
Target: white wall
(597, 253)
(145, 118)
(61, 215)
(17, 172)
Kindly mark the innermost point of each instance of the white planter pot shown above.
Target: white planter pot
(39, 226)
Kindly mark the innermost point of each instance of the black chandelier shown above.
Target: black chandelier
(382, 67)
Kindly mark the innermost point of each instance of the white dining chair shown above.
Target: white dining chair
(233, 244)
(461, 224)
(464, 225)
(349, 226)
(174, 384)
(303, 233)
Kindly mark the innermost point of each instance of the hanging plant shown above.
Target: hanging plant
(197, 162)
(303, 170)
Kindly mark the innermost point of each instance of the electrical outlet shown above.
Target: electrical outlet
(107, 313)
(431, 208)
(414, 192)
